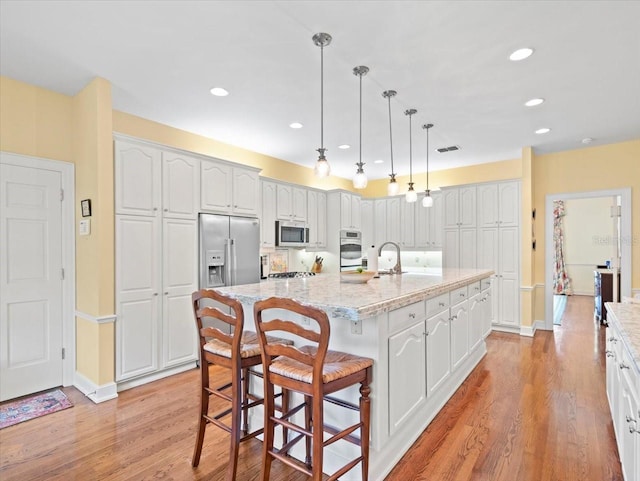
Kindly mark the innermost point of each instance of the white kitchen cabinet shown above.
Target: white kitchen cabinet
(498, 204)
(350, 213)
(317, 219)
(629, 413)
(368, 223)
(487, 306)
(459, 250)
(225, 189)
(180, 186)
(407, 374)
(459, 247)
(459, 322)
(407, 223)
(428, 223)
(138, 301)
(459, 207)
(476, 316)
(438, 350)
(380, 216)
(291, 203)
(138, 181)
(394, 207)
(268, 214)
(156, 272)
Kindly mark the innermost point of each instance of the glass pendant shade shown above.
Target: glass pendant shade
(360, 179)
(411, 195)
(393, 187)
(322, 168)
(427, 201)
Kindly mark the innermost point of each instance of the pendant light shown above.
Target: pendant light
(428, 200)
(393, 187)
(360, 178)
(322, 168)
(412, 195)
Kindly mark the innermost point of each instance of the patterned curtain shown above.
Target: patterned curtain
(561, 281)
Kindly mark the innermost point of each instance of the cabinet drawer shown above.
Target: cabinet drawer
(485, 284)
(437, 304)
(458, 295)
(474, 289)
(405, 316)
(628, 369)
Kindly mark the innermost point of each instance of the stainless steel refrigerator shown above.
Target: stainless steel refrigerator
(229, 250)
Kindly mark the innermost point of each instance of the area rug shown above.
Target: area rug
(33, 407)
(559, 305)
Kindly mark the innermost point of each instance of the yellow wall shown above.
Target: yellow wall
(595, 168)
(35, 121)
(271, 167)
(502, 170)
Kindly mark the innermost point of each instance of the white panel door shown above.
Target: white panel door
(451, 208)
(368, 224)
(322, 219)
(180, 186)
(468, 248)
(451, 248)
(345, 211)
(435, 222)
(284, 202)
(215, 187)
(509, 206)
(488, 249)
(356, 212)
(380, 215)
(31, 280)
(393, 219)
(488, 307)
(312, 217)
(476, 321)
(180, 279)
(407, 224)
(246, 190)
(268, 219)
(299, 197)
(508, 293)
(407, 375)
(488, 205)
(138, 295)
(468, 206)
(422, 224)
(137, 179)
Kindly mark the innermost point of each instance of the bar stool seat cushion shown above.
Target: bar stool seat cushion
(249, 345)
(336, 365)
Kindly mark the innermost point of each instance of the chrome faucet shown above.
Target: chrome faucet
(397, 269)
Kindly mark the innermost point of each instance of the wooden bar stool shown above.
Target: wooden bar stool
(315, 372)
(238, 352)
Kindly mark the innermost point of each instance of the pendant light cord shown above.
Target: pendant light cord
(390, 136)
(427, 159)
(322, 96)
(360, 155)
(410, 153)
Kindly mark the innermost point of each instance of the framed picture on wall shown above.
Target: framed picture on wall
(86, 207)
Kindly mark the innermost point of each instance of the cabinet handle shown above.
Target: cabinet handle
(624, 366)
(441, 304)
(166, 210)
(228, 205)
(155, 293)
(453, 318)
(630, 419)
(412, 315)
(235, 206)
(155, 209)
(613, 339)
(462, 294)
(633, 430)
(425, 334)
(477, 288)
(610, 354)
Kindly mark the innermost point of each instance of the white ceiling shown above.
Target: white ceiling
(448, 60)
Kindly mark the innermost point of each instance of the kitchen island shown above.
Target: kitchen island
(425, 334)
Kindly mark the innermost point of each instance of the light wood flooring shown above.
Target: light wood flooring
(534, 409)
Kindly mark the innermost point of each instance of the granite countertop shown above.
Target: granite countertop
(627, 318)
(358, 301)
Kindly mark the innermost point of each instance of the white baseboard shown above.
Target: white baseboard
(139, 381)
(529, 331)
(503, 328)
(94, 392)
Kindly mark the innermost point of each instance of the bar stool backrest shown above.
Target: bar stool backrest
(236, 321)
(271, 350)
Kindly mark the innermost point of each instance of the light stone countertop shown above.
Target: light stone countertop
(357, 301)
(627, 318)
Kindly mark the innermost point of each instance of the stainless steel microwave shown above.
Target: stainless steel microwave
(291, 234)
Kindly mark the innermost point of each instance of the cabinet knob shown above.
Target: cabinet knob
(477, 288)
(441, 304)
(155, 293)
(166, 293)
(235, 206)
(453, 318)
(228, 205)
(166, 210)
(613, 339)
(425, 334)
(155, 209)
(412, 315)
(462, 294)
(610, 354)
(623, 366)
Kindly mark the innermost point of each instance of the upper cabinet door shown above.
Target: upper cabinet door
(180, 186)
(509, 206)
(356, 212)
(268, 220)
(312, 217)
(368, 223)
(468, 206)
(299, 207)
(488, 205)
(345, 211)
(322, 219)
(246, 190)
(284, 204)
(451, 208)
(137, 179)
(435, 222)
(215, 187)
(393, 219)
(380, 221)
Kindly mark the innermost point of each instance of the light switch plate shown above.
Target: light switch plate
(85, 227)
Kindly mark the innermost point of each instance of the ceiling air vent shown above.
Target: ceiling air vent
(448, 149)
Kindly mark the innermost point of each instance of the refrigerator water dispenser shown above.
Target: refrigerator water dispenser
(215, 264)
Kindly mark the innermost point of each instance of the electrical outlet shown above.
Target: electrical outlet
(356, 327)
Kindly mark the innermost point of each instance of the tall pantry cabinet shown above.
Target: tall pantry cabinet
(156, 236)
(499, 248)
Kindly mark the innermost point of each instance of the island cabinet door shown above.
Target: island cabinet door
(476, 320)
(459, 334)
(407, 376)
(438, 351)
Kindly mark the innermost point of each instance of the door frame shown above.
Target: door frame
(67, 174)
(625, 246)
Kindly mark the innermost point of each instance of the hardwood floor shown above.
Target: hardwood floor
(533, 409)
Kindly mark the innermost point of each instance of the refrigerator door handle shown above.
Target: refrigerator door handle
(227, 262)
(233, 263)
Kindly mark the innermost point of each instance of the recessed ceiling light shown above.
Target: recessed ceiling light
(543, 130)
(587, 140)
(295, 125)
(379, 161)
(219, 92)
(521, 54)
(533, 102)
(344, 146)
